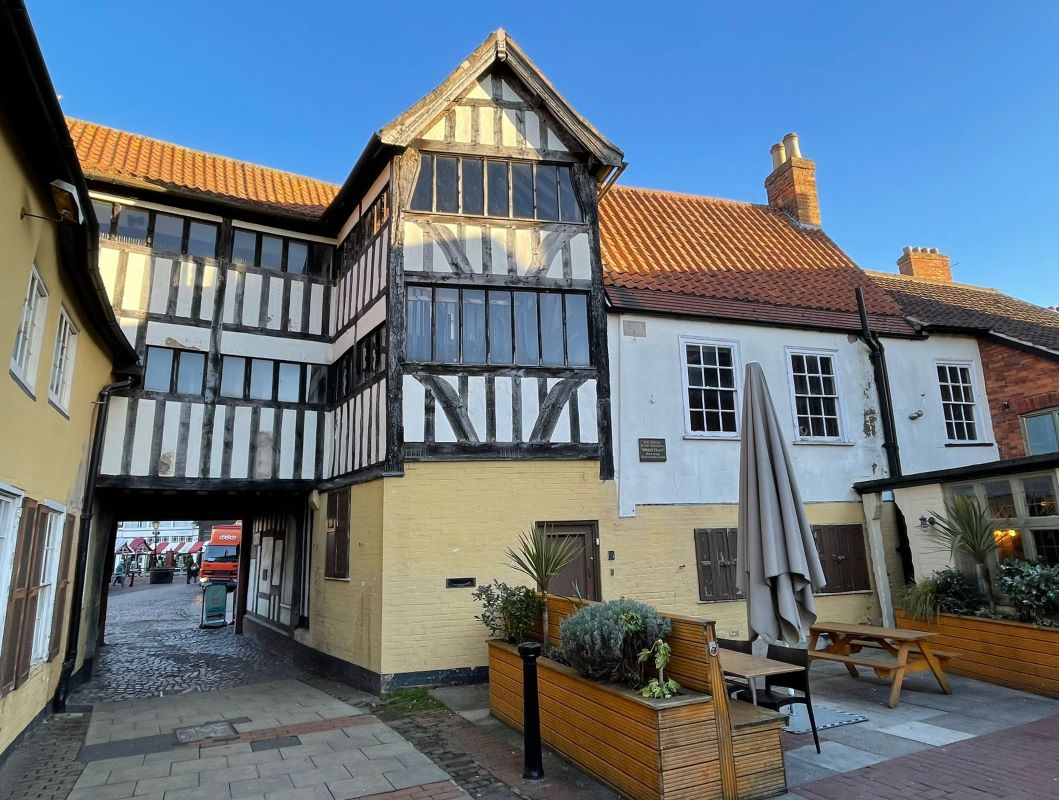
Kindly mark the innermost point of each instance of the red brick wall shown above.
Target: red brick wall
(1017, 383)
(792, 187)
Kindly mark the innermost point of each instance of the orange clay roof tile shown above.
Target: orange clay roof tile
(123, 157)
(729, 253)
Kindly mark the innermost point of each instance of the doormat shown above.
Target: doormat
(825, 718)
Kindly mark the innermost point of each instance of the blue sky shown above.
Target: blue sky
(932, 124)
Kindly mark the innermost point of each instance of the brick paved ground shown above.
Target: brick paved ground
(155, 647)
(1020, 763)
(45, 766)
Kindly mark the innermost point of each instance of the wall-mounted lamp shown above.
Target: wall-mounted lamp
(67, 204)
(926, 522)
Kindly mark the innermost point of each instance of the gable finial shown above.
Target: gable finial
(501, 44)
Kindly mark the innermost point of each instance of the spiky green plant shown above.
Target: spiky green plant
(541, 557)
(966, 528)
(919, 599)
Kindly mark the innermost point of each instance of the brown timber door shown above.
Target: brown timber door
(581, 577)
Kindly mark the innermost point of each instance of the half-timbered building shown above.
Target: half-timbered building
(478, 332)
(387, 379)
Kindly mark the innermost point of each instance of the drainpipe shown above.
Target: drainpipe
(877, 354)
(84, 534)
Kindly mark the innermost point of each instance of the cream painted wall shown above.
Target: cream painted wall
(346, 615)
(916, 502)
(448, 519)
(42, 452)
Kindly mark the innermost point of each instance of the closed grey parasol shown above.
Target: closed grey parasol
(778, 566)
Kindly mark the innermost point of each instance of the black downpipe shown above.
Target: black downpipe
(84, 535)
(882, 387)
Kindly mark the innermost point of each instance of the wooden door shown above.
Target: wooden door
(581, 577)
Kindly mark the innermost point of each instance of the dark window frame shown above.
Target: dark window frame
(565, 186)
(174, 369)
(312, 248)
(363, 234)
(511, 292)
(1050, 413)
(304, 372)
(108, 228)
(360, 366)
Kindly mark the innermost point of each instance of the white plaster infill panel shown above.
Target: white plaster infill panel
(254, 345)
(182, 337)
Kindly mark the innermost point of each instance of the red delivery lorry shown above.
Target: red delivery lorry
(220, 556)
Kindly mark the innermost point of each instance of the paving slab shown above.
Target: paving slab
(835, 756)
(926, 733)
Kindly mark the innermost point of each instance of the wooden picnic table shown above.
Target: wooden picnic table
(751, 667)
(892, 652)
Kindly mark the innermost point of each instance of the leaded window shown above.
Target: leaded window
(473, 186)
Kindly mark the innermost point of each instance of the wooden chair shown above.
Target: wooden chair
(799, 681)
(733, 684)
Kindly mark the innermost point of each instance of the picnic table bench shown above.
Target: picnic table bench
(893, 652)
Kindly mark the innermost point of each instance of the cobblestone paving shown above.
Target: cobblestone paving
(485, 760)
(155, 647)
(45, 765)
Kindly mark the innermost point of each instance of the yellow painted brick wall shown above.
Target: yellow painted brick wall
(346, 615)
(42, 452)
(458, 519)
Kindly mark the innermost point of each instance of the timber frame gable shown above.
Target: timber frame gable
(525, 278)
(495, 122)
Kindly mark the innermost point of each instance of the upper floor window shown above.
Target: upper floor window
(475, 186)
(363, 233)
(360, 365)
(280, 253)
(957, 402)
(449, 325)
(62, 363)
(710, 388)
(161, 231)
(814, 388)
(1041, 432)
(265, 379)
(174, 371)
(26, 354)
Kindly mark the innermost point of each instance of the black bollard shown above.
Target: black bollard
(531, 712)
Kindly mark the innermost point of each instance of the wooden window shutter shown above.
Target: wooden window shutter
(29, 611)
(62, 582)
(715, 550)
(842, 555)
(17, 599)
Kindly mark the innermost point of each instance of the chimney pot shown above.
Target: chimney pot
(791, 186)
(925, 263)
(790, 143)
(779, 154)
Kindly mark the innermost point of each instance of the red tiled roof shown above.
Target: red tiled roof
(678, 253)
(123, 157)
(971, 308)
(663, 251)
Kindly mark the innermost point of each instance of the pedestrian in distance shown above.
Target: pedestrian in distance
(119, 574)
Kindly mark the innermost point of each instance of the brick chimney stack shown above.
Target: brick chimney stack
(792, 183)
(925, 263)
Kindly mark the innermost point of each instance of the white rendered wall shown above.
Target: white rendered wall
(913, 371)
(647, 386)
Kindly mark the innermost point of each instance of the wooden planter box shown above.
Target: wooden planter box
(997, 651)
(644, 749)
